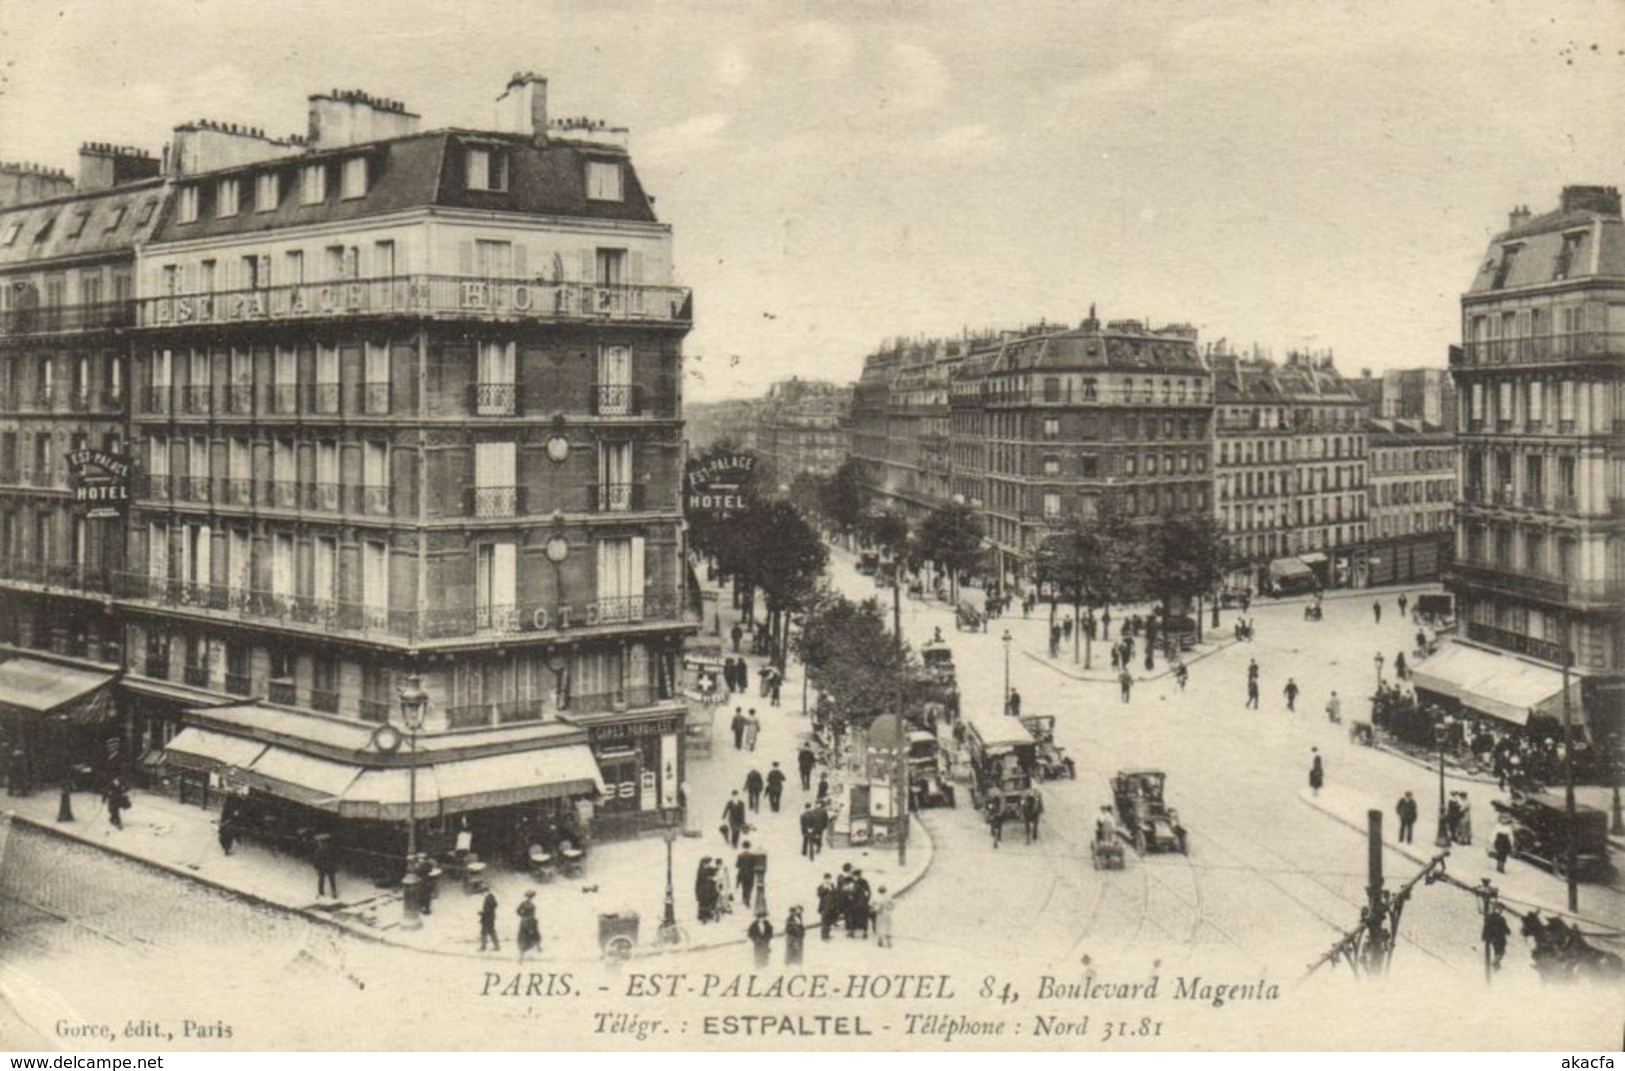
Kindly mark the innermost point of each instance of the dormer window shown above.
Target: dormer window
(113, 223)
(225, 197)
(267, 192)
(1509, 257)
(45, 231)
(12, 232)
(313, 184)
(186, 200)
(147, 210)
(487, 170)
(604, 181)
(353, 181)
(1568, 255)
(77, 227)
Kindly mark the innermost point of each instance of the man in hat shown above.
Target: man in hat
(745, 872)
(1405, 809)
(805, 761)
(753, 788)
(733, 818)
(810, 832)
(795, 937)
(775, 787)
(738, 726)
(488, 923)
(828, 906)
(327, 869)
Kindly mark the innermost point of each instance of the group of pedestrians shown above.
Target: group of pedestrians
(848, 900)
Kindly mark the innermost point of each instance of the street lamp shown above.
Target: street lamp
(669, 933)
(1006, 642)
(414, 705)
(1378, 661)
(1442, 839)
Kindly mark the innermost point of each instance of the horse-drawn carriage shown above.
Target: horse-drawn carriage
(967, 618)
(941, 683)
(1050, 760)
(928, 783)
(1000, 755)
(1143, 815)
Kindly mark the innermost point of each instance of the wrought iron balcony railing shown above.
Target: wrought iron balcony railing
(494, 501)
(493, 399)
(61, 319)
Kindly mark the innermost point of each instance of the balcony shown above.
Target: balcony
(377, 501)
(494, 501)
(43, 476)
(155, 486)
(238, 491)
(1533, 500)
(1544, 650)
(425, 297)
(1548, 349)
(284, 494)
(196, 676)
(322, 399)
(325, 701)
(329, 617)
(80, 400)
(1507, 580)
(375, 399)
(56, 575)
(284, 399)
(239, 683)
(63, 319)
(237, 399)
(487, 715)
(194, 488)
(322, 497)
(377, 710)
(195, 400)
(615, 399)
(284, 692)
(615, 497)
(493, 399)
(156, 400)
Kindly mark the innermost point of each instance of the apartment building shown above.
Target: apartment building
(1411, 499)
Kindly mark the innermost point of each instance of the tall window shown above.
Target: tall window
(375, 386)
(239, 561)
(375, 583)
(158, 466)
(324, 560)
(313, 184)
(186, 204)
(375, 476)
(487, 170)
(496, 584)
(495, 479)
(615, 380)
(282, 566)
(620, 579)
(267, 191)
(225, 197)
(604, 181)
(493, 260)
(353, 182)
(327, 379)
(615, 476)
(293, 267)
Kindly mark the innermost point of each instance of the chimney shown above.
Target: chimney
(353, 117)
(1517, 217)
(522, 108)
(103, 166)
(1601, 199)
(208, 145)
(22, 184)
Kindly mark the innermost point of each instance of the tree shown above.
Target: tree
(780, 553)
(952, 537)
(1089, 562)
(845, 497)
(850, 659)
(1183, 558)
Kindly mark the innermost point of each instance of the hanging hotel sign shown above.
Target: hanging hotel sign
(717, 485)
(100, 482)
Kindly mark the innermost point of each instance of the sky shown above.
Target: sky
(1319, 174)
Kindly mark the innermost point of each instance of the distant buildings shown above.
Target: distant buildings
(801, 427)
(1411, 498)
(1540, 536)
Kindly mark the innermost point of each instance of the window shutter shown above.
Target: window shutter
(505, 575)
(635, 586)
(520, 268)
(465, 257)
(637, 268)
(587, 261)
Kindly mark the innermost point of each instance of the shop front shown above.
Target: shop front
(56, 722)
(640, 755)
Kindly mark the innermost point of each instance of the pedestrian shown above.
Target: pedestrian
(753, 728)
(1495, 934)
(1182, 675)
(775, 787)
(228, 834)
(745, 872)
(1291, 691)
(823, 788)
(775, 682)
(1405, 809)
(1452, 818)
(1401, 670)
(1317, 771)
(1125, 683)
(118, 801)
(705, 889)
(1503, 848)
(1402, 602)
(1066, 627)
(1252, 694)
(1421, 643)
(736, 634)
(1376, 611)
(733, 819)
(810, 833)
(327, 870)
(738, 726)
(530, 931)
(1117, 656)
(1106, 624)
(1014, 704)
(753, 788)
(761, 940)
(1252, 669)
(883, 910)
(1031, 807)
(828, 906)
(995, 818)
(805, 761)
(795, 937)
(859, 909)
(488, 923)
(1149, 664)
(1334, 709)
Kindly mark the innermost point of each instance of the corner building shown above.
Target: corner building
(409, 402)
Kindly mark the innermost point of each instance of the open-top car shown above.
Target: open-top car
(1143, 816)
(1050, 760)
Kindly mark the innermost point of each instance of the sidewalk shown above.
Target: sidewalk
(1522, 886)
(620, 875)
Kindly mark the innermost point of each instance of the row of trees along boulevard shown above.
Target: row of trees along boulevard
(1090, 563)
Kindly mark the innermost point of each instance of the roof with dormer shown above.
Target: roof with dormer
(104, 223)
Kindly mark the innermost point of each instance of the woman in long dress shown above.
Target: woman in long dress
(530, 932)
(705, 889)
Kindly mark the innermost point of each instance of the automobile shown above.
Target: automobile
(967, 618)
(1050, 760)
(1542, 830)
(1143, 816)
(868, 563)
(1000, 753)
(1233, 595)
(928, 784)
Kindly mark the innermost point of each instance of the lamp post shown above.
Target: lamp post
(414, 705)
(1006, 642)
(1442, 838)
(1378, 662)
(669, 933)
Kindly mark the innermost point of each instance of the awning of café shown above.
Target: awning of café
(1284, 567)
(1501, 686)
(457, 785)
(200, 749)
(33, 686)
(305, 779)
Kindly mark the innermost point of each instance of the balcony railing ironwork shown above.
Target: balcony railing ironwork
(323, 399)
(615, 399)
(375, 399)
(1510, 581)
(194, 488)
(325, 701)
(156, 399)
(237, 399)
(485, 715)
(58, 319)
(284, 399)
(432, 296)
(63, 575)
(284, 692)
(615, 497)
(1544, 349)
(196, 676)
(495, 501)
(239, 683)
(195, 399)
(1545, 650)
(493, 399)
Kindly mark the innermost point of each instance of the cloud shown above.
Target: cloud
(696, 134)
(912, 79)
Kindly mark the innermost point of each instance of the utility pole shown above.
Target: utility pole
(1375, 910)
(1568, 782)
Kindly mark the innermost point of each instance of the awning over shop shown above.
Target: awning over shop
(385, 795)
(301, 778)
(1501, 686)
(519, 777)
(1312, 558)
(49, 688)
(199, 749)
(1284, 567)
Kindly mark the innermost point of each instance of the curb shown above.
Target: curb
(1422, 860)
